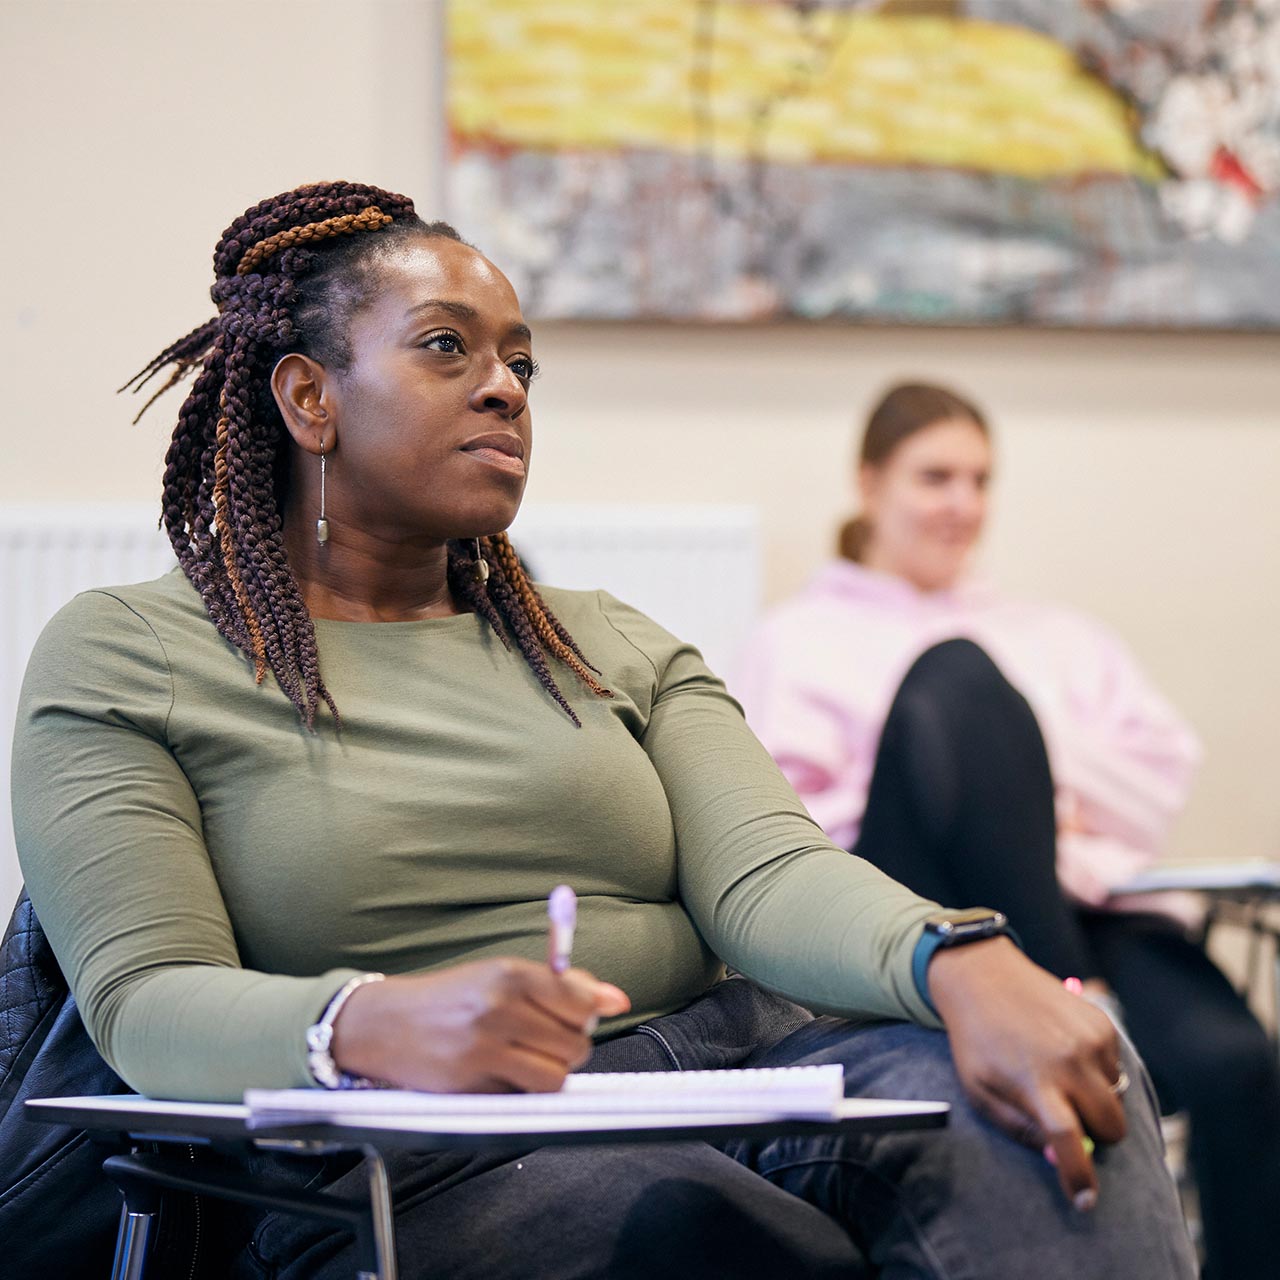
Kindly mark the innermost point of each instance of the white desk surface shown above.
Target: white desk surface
(134, 1114)
(1262, 875)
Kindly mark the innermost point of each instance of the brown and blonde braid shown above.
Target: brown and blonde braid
(289, 275)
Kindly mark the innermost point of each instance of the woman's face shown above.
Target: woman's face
(433, 433)
(927, 503)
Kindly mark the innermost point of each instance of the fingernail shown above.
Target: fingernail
(589, 1029)
(1074, 985)
(1051, 1156)
(1085, 1200)
(1088, 1145)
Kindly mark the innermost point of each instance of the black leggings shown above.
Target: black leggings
(961, 810)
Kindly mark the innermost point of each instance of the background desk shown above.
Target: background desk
(1243, 894)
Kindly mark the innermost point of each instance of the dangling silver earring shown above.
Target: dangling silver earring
(322, 525)
(482, 566)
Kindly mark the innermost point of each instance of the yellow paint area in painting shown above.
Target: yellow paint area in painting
(755, 79)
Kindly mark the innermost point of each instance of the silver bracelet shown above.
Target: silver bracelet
(324, 1071)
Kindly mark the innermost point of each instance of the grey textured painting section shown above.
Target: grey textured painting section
(642, 235)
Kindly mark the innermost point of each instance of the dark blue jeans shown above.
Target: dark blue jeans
(959, 1203)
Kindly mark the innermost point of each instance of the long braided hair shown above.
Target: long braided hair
(289, 274)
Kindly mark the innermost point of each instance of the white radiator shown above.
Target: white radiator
(695, 569)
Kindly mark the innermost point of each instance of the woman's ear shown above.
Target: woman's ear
(304, 394)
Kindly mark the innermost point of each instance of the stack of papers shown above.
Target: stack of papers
(606, 1099)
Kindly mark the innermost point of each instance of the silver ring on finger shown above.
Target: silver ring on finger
(1121, 1086)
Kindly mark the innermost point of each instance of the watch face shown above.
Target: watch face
(975, 922)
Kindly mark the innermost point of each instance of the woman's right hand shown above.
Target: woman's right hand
(489, 1026)
(1041, 1063)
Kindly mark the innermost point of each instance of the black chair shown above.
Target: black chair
(61, 1190)
(58, 1214)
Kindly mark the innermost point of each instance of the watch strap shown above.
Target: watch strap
(934, 939)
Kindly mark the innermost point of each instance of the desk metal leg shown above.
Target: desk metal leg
(143, 1177)
(384, 1230)
(1275, 989)
(133, 1245)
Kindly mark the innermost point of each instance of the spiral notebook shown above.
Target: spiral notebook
(815, 1092)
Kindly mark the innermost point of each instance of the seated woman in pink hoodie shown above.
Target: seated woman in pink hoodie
(981, 749)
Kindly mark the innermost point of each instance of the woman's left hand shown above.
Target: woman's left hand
(1038, 1061)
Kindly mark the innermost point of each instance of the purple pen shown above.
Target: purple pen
(562, 910)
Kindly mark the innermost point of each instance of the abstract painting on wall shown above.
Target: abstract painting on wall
(1052, 162)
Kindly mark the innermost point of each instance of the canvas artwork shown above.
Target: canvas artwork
(1054, 162)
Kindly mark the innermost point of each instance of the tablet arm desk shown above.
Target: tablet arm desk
(143, 1178)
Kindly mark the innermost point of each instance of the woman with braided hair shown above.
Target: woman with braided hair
(347, 738)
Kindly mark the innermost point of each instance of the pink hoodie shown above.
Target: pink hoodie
(818, 676)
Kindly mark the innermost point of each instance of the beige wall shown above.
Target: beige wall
(1138, 473)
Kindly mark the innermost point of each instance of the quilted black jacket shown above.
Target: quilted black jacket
(58, 1214)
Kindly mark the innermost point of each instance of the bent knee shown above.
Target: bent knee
(960, 673)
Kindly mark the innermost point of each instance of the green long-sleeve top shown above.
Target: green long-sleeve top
(209, 872)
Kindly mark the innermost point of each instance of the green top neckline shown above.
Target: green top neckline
(454, 620)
